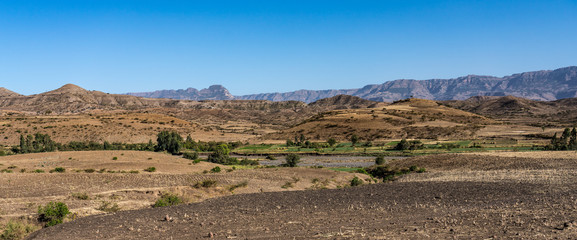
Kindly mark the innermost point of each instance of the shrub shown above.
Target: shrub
(52, 213)
(107, 206)
(380, 160)
(190, 155)
(150, 169)
(205, 184)
(239, 185)
(270, 157)
(215, 169)
(421, 170)
(115, 158)
(80, 196)
(38, 171)
(356, 182)
(292, 160)
(58, 170)
(90, 170)
(17, 230)
(167, 199)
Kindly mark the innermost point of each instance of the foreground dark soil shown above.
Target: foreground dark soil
(407, 210)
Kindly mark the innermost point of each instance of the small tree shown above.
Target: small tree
(403, 145)
(332, 142)
(354, 139)
(292, 160)
(380, 160)
(220, 155)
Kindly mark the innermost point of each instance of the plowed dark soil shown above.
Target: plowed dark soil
(404, 210)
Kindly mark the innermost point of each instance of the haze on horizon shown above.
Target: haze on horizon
(265, 46)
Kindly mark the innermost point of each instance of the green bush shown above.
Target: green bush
(167, 199)
(38, 171)
(115, 158)
(380, 160)
(90, 170)
(215, 169)
(58, 170)
(52, 213)
(150, 169)
(17, 230)
(190, 155)
(356, 182)
(292, 160)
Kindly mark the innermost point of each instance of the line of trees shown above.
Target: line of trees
(567, 141)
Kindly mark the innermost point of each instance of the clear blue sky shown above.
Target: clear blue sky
(122, 46)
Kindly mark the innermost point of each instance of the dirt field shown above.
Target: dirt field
(111, 182)
(460, 196)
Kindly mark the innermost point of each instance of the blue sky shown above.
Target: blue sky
(119, 46)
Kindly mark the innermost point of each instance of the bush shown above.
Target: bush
(292, 160)
(90, 170)
(108, 207)
(150, 169)
(215, 169)
(17, 230)
(205, 184)
(380, 160)
(80, 196)
(190, 155)
(356, 182)
(52, 213)
(58, 170)
(38, 171)
(239, 185)
(115, 158)
(167, 199)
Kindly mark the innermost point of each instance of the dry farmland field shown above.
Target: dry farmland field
(483, 196)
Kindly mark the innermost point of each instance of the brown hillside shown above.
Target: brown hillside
(7, 93)
(412, 118)
(519, 110)
(343, 102)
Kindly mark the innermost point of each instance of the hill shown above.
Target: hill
(520, 110)
(410, 118)
(7, 93)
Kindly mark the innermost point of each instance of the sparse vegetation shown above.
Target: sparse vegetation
(16, 230)
(108, 206)
(81, 196)
(190, 155)
(150, 169)
(205, 184)
(239, 185)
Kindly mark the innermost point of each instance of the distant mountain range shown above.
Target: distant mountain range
(544, 85)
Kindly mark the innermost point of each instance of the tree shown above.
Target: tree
(403, 145)
(573, 140)
(292, 160)
(354, 139)
(169, 141)
(380, 160)
(332, 142)
(220, 155)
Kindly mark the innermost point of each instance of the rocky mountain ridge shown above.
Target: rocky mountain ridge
(547, 85)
